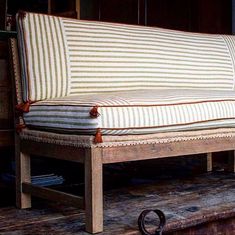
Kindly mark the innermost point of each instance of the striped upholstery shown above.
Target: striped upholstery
(109, 57)
(63, 57)
(45, 67)
(136, 112)
(136, 79)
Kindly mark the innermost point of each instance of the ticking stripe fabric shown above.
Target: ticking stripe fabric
(110, 57)
(64, 57)
(135, 112)
(45, 69)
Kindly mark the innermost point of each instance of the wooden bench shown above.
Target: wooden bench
(100, 93)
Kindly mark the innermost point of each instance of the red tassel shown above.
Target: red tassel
(23, 107)
(98, 137)
(26, 107)
(20, 127)
(94, 112)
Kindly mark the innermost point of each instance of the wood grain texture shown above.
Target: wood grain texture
(53, 151)
(3, 50)
(209, 162)
(94, 190)
(6, 113)
(231, 162)
(222, 227)
(54, 195)
(3, 14)
(196, 205)
(78, 9)
(23, 200)
(6, 138)
(164, 150)
(49, 6)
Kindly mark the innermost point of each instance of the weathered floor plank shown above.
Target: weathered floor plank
(186, 202)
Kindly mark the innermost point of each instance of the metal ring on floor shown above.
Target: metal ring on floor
(141, 222)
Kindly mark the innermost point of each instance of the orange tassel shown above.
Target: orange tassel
(23, 107)
(98, 137)
(94, 112)
(20, 127)
(26, 107)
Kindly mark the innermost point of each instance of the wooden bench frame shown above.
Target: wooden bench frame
(93, 160)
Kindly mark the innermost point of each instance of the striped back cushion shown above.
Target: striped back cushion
(45, 62)
(69, 57)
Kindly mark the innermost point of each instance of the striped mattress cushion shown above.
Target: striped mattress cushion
(63, 57)
(135, 112)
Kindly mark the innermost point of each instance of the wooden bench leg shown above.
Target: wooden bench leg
(94, 190)
(23, 200)
(231, 162)
(209, 162)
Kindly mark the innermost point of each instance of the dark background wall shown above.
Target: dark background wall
(210, 16)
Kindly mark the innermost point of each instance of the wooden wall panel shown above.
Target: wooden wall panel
(119, 11)
(3, 10)
(173, 14)
(214, 16)
(208, 16)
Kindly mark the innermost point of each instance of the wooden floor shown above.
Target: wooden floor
(192, 205)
